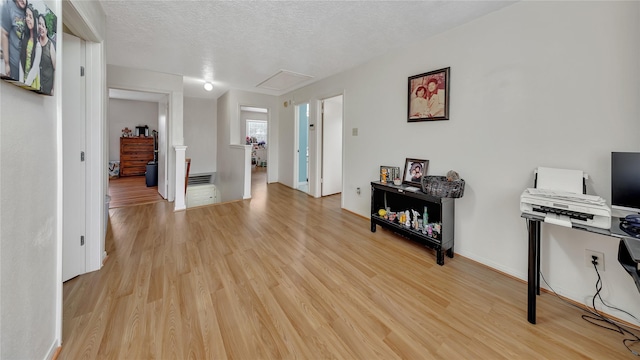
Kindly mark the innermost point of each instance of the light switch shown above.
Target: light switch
(354, 131)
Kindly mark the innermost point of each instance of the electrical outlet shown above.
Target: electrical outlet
(358, 191)
(588, 257)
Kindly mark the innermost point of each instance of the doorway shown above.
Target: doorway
(301, 161)
(254, 131)
(144, 113)
(331, 172)
(256, 136)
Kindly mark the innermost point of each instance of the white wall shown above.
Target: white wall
(128, 113)
(534, 84)
(30, 220)
(200, 121)
(119, 77)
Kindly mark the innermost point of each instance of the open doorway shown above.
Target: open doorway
(254, 129)
(256, 136)
(301, 161)
(136, 124)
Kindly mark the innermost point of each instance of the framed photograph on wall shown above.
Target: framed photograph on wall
(428, 98)
(414, 169)
(31, 33)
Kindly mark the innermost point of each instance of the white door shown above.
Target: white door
(332, 146)
(73, 164)
(163, 114)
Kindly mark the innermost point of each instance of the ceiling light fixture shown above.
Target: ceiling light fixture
(208, 86)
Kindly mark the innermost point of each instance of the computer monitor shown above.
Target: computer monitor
(625, 181)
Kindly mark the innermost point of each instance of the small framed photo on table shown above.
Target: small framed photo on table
(414, 169)
(389, 173)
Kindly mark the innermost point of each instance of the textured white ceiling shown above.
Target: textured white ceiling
(239, 44)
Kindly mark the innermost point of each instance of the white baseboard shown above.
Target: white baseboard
(53, 350)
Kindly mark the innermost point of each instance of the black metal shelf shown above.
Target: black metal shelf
(401, 198)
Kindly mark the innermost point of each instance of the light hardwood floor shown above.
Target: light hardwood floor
(132, 190)
(285, 276)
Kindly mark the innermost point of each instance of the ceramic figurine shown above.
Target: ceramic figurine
(416, 223)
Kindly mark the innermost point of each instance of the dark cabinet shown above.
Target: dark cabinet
(395, 200)
(135, 153)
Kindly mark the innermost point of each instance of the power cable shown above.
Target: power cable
(595, 316)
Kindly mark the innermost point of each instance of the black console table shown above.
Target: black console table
(628, 255)
(401, 198)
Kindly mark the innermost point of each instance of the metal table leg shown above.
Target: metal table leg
(534, 267)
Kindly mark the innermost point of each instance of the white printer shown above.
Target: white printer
(558, 196)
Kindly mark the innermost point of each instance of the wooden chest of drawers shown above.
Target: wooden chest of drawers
(135, 153)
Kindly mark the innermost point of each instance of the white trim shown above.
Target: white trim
(270, 169)
(52, 350)
(59, 208)
(125, 78)
(179, 203)
(96, 185)
(296, 145)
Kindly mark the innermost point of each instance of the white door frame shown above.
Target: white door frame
(296, 145)
(269, 131)
(296, 149)
(163, 141)
(164, 105)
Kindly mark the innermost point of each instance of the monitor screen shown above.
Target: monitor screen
(625, 181)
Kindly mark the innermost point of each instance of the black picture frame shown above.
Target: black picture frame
(428, 96)
(392, 172)
(408, 177)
